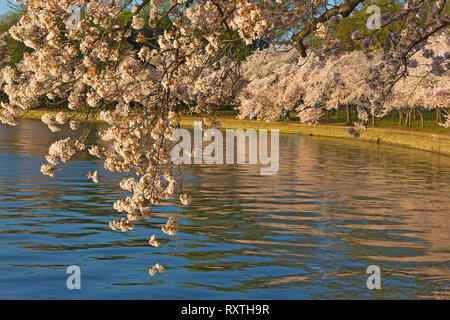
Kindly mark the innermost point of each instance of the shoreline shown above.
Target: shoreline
(425, 141)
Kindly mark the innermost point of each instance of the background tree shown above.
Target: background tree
(190, 54)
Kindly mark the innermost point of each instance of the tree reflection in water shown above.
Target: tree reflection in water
(336, 207)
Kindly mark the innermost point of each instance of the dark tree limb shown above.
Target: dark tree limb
(345, 9)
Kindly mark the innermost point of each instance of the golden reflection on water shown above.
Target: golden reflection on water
(335, 207)
(363, 195)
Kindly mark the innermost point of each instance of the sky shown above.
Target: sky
(3, 6)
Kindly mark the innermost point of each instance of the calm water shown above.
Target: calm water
(336, 207)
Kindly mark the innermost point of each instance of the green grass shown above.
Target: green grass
(339, 118)
(333, 119)
(431, 138)
(35, 114)
(429, 125)
(419, 139)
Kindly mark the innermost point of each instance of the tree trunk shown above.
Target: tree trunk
(438, 115)
(422, 123)
(349, 115)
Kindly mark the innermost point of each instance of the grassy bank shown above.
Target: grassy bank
(427, 141)
(37, 114)
(434, 141)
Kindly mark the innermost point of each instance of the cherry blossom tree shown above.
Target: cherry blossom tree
(266, 74)
(106, 65)
(275, 83)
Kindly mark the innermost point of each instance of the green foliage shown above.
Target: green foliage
(14, 50)
(236, 49)
(358, 21)
(7, 20)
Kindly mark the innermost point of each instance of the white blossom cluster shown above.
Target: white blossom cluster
(169, 227)
(156, 268)
(123, 225)
(154, 242)
(280, 80)
(98, 70)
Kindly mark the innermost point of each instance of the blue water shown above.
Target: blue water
(310, 232)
